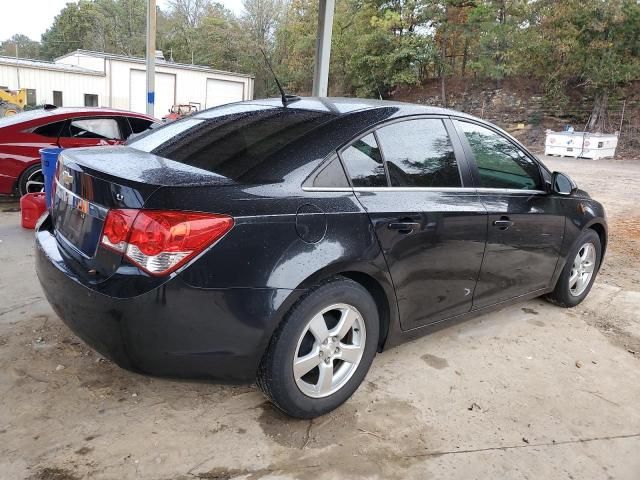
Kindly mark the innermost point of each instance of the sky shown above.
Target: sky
(38, 15)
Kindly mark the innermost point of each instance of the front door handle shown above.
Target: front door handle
(403, 227)
(503, 224)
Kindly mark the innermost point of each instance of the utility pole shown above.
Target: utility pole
(323, 48)
(151, 56)
(17, 66)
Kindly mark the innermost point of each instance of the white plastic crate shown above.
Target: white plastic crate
(581, 144)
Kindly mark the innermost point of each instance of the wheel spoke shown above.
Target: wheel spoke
(325, 379)
(345, 323)
(318, 328)
(573, 278)
(589, 267)
(582, 280)
(350, 353)
(39, 186)
(304, 365)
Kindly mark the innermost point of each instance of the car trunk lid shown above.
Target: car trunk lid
(90, 181)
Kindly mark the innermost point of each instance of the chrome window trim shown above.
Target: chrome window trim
(327, 189)
(507, 191)
(415, 189)
(510, 191)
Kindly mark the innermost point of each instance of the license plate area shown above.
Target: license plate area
(79, 221)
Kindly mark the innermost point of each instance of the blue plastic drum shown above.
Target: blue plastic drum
(49, 158)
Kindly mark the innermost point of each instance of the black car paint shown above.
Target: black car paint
(215, 316)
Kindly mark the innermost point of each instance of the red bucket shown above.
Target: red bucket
(32, 206)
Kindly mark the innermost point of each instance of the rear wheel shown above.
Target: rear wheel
(323, 350)
(31, 180)
(579, 271)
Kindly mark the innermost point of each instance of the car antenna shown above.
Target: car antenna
(286, 98)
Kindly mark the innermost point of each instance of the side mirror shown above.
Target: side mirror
(562, 184)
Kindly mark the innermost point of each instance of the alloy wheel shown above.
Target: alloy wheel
(582, 269)
(35, 182)
(329, 350)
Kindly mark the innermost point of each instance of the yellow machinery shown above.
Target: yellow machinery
(12, 101)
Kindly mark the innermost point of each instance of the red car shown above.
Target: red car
(22, 135)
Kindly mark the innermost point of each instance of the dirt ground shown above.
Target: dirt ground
(532, 391)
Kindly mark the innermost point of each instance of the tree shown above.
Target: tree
(591, 44)
(20, 45)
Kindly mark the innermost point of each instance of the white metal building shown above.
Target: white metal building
(85, 78)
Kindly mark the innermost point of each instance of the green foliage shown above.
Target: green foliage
(20, 45)
(377, 44)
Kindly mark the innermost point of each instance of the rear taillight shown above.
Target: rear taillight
(161, 241)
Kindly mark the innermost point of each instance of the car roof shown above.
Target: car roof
(61, 113)
(347, 105)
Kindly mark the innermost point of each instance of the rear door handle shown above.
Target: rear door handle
(503, 224)
(403, 227)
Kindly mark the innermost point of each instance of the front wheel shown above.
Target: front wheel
(579, 272)
(321, 353)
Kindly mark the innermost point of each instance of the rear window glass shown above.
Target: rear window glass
(22, 117)
(237, 141)
(364, 163)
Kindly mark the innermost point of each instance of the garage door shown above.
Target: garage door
(165, 92)
(220, 92)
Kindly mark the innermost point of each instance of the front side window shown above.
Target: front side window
(500, 163)
(364, 163)
(99, 128)
(419, 154)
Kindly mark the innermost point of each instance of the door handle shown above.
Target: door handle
(503, 224)
(403, 227)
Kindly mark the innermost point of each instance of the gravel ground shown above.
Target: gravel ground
(531, 391)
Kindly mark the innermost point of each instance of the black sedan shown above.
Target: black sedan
(291, 243)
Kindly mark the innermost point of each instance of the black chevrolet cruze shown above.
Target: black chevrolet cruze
(290, 243)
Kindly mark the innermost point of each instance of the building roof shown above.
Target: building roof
(44, 65)
(162, 63)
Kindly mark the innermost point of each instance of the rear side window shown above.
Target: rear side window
(500, 163)
(331, 176)
(139, 125)
(419, 154)
(364, 163)
(98, 128)
(51, 130)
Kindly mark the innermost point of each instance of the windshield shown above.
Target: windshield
(235, 141)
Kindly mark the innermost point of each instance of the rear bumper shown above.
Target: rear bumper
(174, 330)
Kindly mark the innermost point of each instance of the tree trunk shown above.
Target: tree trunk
(465, 57)
(443, 59)
(596, 121)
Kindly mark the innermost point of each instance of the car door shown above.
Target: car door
(412, 179)
(91, 131)
(526, 224)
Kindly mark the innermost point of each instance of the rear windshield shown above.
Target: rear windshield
(22, 117)
(238, 141)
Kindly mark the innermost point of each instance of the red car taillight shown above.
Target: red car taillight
(160, 241)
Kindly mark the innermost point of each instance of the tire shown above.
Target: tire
(566, 292)
(9, 109)
(31, 174)
(305, 395)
